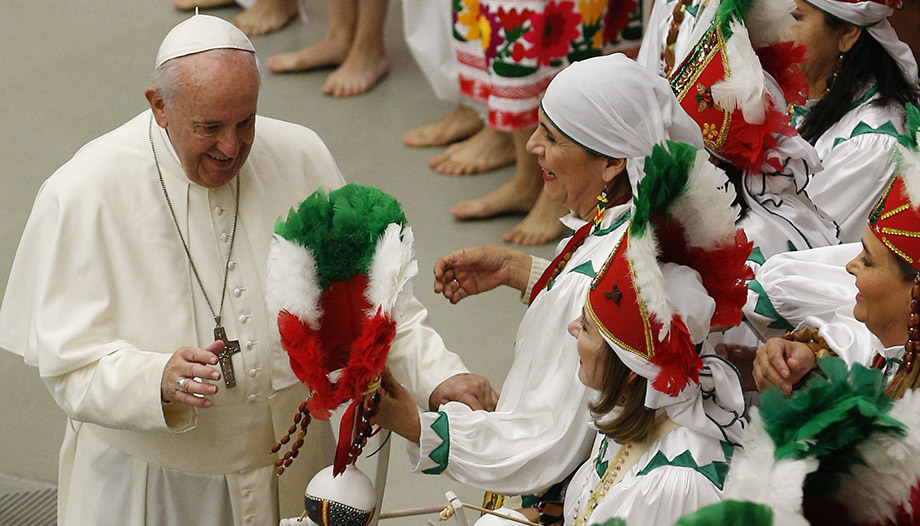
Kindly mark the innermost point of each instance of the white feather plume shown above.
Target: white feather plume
(909, 171)
(757, 476)
(291, 283)
(643, 252)
(768, 20)
(743, 88)
(875, 490)
(705, 209)
(391, 270)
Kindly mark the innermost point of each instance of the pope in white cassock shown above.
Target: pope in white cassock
(137, 290)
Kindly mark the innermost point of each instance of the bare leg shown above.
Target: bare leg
(517, 196)
(366, 63)
(461, 124)
(331, 50)
(186, 5)
(487, 150)
(542, 222)
(266, 16)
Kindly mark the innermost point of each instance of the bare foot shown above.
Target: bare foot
(487, 150)
(460, 124)
(541, 225)
(361, 71)
(266, 16)
(187, 5)
(330, 51)
(513, 197)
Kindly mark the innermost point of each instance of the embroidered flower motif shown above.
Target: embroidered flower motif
(591, 11)
(517, 52)
(704, 97)
(470, 18)
(552, 31)
(490, 30)
(617, 18)
(710, 131)
(513, 19)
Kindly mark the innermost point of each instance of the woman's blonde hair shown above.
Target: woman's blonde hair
(635, 422)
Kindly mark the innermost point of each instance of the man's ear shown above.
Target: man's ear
(157, 105)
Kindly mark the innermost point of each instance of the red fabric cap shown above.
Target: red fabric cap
(895, 221)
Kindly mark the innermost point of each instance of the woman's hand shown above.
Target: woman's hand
(397, 411)
(472, 270)
(783, 363)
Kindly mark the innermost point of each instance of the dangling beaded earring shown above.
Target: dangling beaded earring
(601, 207)
(913, 330)
(834, 72)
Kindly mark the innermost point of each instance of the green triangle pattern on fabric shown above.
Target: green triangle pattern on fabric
(862, 128)
(729, 513)
(441, 453)
(714, 471)
(765, 307)
(616, 224)
(757, 256)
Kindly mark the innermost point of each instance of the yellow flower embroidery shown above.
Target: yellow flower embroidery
(709, 131)
(485, 32)
(598, 40)
(470, 18)
(591, 11)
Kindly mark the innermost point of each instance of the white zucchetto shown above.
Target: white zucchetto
(201, 33)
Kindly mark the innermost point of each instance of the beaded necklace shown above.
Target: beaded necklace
(677, 17)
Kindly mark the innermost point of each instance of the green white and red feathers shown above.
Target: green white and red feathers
(339, 268)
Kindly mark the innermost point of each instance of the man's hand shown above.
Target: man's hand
(783, 363)
(191, 363)
(742, 357)
(472, 270)
(470, 389)
(397, 411)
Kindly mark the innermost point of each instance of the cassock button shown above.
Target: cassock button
(252, 398)
(246, 492)
(218, 210)
(243, 318)
(231, 265)
(249, 344)
(237, 292)
(252, 373)
(224, 237)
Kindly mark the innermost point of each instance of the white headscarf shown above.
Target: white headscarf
(873, 17)
(614, 107)
(713, 406)
(201, 33)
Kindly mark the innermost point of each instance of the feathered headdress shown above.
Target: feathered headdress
(722, 85)
(338, 268)
(683, 215)
(839, 449)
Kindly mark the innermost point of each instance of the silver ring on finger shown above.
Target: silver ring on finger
(180, 383)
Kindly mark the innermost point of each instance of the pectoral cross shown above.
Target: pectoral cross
(231, 347)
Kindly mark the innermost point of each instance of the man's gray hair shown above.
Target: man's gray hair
(168, 77)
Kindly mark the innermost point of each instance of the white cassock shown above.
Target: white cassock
(101, 294)
(856, 153)
(539, 432)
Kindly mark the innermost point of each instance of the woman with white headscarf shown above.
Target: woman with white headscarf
(860, 76)
(599, 118)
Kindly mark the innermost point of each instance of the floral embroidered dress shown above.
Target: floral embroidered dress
(509, 50)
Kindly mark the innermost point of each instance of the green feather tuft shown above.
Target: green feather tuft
(732, 9)
(341, 228)
(666, 176)
(729, 513)
(828, 419)
(616, 521)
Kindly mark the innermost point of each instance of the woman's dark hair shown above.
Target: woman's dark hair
(867, 59)
(905, 271)
(635, 422)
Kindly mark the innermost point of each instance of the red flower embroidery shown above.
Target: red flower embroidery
(552, 32)
(518, 52)
(617, 18)
(512, 19)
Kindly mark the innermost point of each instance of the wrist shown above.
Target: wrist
(519, 264)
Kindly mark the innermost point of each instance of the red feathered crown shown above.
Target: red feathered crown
(683, 215)
(722, 83)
